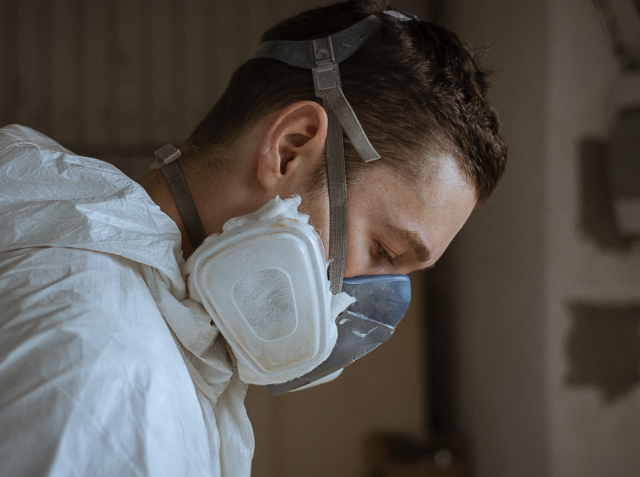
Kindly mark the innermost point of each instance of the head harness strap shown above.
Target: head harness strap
(166, 161)
(322, 56)
(302, 54)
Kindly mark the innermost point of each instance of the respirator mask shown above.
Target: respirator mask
(264, 279)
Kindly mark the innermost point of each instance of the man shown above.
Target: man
(112, 359)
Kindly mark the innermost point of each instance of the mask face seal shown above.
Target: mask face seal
(382, 301)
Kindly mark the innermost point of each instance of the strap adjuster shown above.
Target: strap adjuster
(165, 155)
(323, 50)
(326, 76)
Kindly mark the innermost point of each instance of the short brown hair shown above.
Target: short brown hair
(414, 86)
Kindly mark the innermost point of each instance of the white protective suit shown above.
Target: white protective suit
(92, 381)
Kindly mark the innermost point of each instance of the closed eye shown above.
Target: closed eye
(384, 254)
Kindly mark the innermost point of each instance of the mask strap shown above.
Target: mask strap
(322, 57)
(327, 53)
(301, 54)
(326, 78)
(165, 161)
(337, 186)
(341, 118)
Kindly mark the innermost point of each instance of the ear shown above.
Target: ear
(292, 147)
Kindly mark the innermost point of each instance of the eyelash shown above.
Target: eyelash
(384, 254)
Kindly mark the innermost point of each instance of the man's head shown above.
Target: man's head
(414, 86)
(421, 100)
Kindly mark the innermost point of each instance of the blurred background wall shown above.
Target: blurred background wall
(524, 260)
(115, 79)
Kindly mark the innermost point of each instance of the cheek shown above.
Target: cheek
(356, 261)
(361, 248)
(361, 252)
(316, 206)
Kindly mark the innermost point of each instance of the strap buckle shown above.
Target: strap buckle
(325, 76)
(323, 50)
(165, 155)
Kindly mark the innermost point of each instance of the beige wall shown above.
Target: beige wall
(523, 258)
(589, 436)
(500, 255)
(126, 72)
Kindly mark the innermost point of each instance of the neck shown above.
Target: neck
(217, 198)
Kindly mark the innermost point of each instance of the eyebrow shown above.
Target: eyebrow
(413, 240)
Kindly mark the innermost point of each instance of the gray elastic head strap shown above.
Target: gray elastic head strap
(165, 161)
(322, 56)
